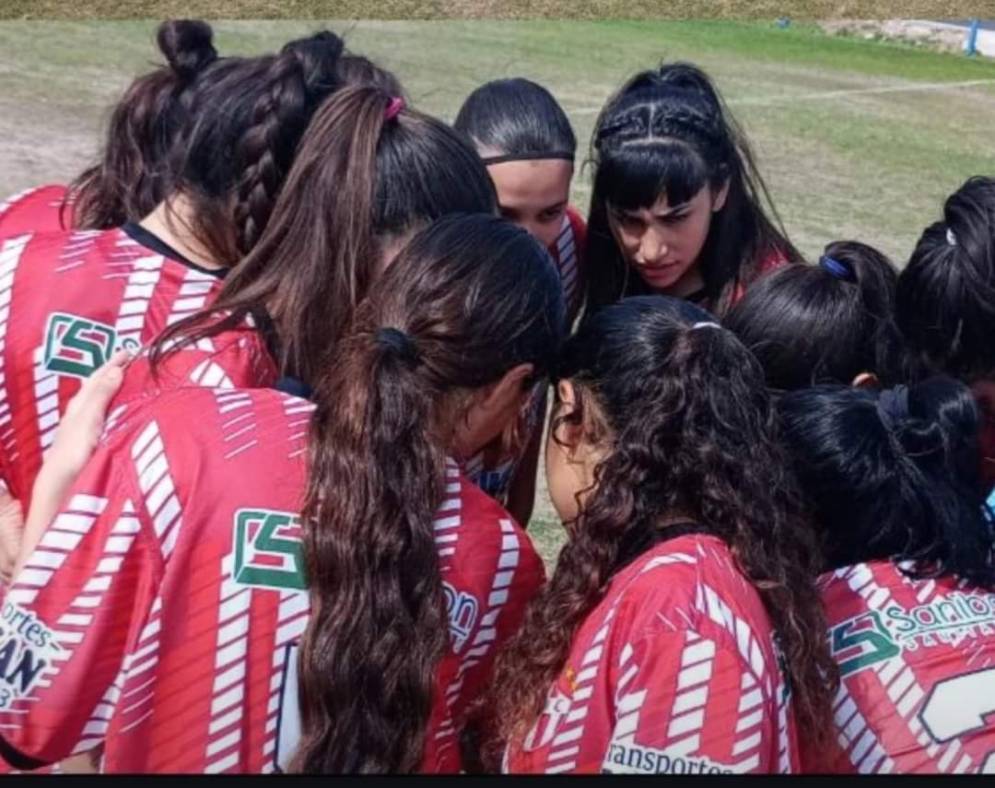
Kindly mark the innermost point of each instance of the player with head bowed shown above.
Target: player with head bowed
(339, 607)
(833, 322)
(529, 147)
(678, 203)
(893, 480)
(681, 632)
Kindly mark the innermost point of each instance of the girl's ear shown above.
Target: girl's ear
(568, 434)
(866, 380)
(719, 197)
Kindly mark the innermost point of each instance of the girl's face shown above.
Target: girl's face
(570, 459)
(533, 194)
(663, 242)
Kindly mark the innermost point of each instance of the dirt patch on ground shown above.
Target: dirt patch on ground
(916, 32)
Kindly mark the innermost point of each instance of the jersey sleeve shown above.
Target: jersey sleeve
(687, 705)
(71, 624)
(237, 359)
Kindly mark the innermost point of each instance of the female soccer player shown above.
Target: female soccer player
(72, 298)
(682, 608)
(677, 207)
(829, 323)
(128, 182)
(351, 559)
(368, 173)
(893, 480)
(946, 299)
(526, 141)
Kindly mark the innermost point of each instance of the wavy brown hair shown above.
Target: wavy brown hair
(691, 432)
(469, 298)
(357, 182)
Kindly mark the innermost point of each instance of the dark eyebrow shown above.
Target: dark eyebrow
(669, 212)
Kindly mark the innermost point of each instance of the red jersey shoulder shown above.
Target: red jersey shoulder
(34, 210)
(917, 663)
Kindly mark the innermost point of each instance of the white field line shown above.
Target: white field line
(762, 101)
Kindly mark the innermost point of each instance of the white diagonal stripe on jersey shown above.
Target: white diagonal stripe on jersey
(487, 631)
(131, 315)
(234, 604)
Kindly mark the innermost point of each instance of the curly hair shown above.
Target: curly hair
(690, 430)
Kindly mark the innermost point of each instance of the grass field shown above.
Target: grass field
(856, 139)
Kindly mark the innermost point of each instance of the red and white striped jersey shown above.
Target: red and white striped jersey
(35, 210)
(161, 612)
(917, 659)
(67, 302)
(567, 253)
(492, 470)
(674, 672)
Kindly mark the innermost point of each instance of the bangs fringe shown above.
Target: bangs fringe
(638, 174)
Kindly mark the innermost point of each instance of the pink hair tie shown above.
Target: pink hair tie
(393, 108)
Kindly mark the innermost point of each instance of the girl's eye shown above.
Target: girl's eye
(551, 215)
(674, 219)
(627, 222)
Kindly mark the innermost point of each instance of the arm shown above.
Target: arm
(75, 441)
(74, 615)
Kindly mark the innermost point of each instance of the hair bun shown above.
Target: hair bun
(188, 45)
(686, 76)
(318, 56)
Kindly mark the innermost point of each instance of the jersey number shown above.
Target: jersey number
(872, 643)
(959, 705)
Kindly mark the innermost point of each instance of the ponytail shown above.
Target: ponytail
(826, 323)
(894, 475)
(358, 181)
(128, 182)
(687, 427)
(470, 298)
(946, 294)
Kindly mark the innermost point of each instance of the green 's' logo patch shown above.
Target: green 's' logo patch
(77, 346)
(268, 551)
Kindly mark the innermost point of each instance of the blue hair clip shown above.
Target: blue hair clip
(837, 269)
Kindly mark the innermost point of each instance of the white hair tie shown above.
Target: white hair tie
(951, 238)
(706, 324)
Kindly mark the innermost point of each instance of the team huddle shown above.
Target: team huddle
(276, 375)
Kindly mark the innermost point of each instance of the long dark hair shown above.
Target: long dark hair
(946, 294)
(516, 117)
(667, 131)
(468, 299)
(825, 323)
(128, 181)
(358, 180)
(690, 430)
(243, 128)
(894, 475)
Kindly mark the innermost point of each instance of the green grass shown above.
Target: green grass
(851, 137)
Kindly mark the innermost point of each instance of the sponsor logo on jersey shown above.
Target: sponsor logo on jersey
(631, 758)
(27, 647)
(462, 609)
(874, 636)
(77, 346)
(267, 550)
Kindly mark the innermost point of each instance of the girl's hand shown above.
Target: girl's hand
(83, 423)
